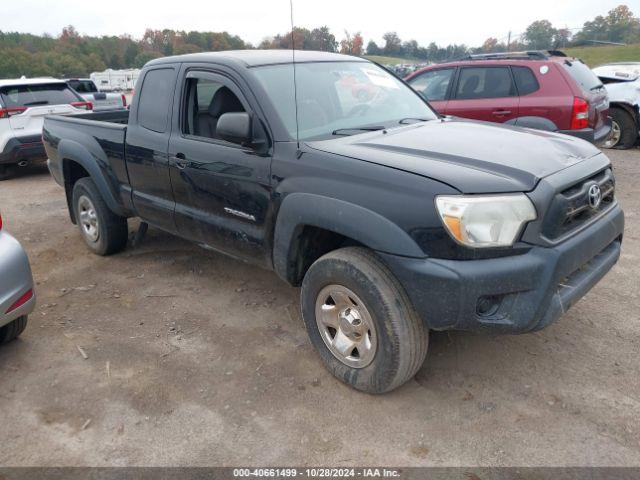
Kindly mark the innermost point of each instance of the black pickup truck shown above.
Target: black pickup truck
(393, 219)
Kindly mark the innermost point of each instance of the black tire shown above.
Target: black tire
(6, 172)
(402, 337)
(112, 229)
(628, 128)
(12, 330)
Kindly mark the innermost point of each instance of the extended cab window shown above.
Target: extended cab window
(155, 97)
(205, 102)
(433, 84)
(485, 82)
(525, 80)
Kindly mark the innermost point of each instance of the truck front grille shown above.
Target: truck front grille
(576, 205)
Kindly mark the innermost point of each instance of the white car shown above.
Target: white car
(101, 101)
(23, 106)
(622, 81)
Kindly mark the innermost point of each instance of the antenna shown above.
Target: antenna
(295, 85)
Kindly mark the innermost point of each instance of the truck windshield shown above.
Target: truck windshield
(339, 98)
(83, 86)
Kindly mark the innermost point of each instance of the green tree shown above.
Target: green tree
(540, 34)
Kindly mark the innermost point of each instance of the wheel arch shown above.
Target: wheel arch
(309, 225)
(79, 162)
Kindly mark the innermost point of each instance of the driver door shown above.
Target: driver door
(221, 189)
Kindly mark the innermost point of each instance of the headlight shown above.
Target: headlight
(485, 221)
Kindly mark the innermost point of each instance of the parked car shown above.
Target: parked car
(622, 81)
(393, 220)
(543, 90)
(23, 105)
(100, 100)
(17, 297)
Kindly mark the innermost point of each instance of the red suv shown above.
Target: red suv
(542, 90)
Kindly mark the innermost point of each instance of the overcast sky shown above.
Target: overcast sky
(445, 22)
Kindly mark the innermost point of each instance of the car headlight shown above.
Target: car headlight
(480, 221)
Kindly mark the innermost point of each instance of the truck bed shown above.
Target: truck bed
(99, 136)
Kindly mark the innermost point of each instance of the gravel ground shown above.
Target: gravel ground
(197, 359)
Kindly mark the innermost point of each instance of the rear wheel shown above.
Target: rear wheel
(12, 330)
(103, 231)
(6, 172)
(361, 322)
(624, 131)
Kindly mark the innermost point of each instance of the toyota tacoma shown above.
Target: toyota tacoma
(393, 220)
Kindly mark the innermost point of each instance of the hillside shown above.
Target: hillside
(594, 56)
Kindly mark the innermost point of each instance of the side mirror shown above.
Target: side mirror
(234, 127)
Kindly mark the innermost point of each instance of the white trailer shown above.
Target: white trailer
(116, 80)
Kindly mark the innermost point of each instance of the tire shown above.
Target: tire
(6, 172)
(628, 130)
(103, 231)
(12, 330)
(392, 351)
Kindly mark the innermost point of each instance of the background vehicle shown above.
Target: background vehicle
(392, 220)
(542, 90)
(23, 105)
(622, 81)
(100, 100)
(17, 298)
(116, 80)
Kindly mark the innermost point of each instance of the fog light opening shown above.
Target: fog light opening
(488, 305)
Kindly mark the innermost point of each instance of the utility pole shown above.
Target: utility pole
(509, 42)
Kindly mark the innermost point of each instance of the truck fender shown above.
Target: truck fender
(353, 221)
(96, 164)
(539, 123)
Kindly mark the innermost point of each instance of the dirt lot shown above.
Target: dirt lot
(197, 359)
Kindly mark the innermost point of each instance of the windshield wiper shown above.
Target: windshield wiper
(597, 87)
(354, 130)
(409, 120)
(41, 102)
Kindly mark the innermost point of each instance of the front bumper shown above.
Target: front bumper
(15, 279)
(595, 136)
(525, 292)
(23, 149)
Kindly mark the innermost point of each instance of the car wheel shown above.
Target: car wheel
(12, 330)
(103, 231)
(624, 131)
(361, 321)
(6, 172)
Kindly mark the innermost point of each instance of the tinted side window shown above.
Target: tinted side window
(485, 82)
(525, 80)
(155, 97)
(582, 74)
(433, 84)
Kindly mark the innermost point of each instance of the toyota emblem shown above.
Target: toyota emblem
(595, 196)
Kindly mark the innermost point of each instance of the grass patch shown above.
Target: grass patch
(389, 60)
(598, 55)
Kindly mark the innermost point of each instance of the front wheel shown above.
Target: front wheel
(361, 322)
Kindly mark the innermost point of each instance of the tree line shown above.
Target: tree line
(72, 54)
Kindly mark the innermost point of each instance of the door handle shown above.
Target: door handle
(180, 161)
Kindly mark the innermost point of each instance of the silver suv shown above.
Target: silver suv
(17, 297)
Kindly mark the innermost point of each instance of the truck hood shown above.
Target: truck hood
(471, 156)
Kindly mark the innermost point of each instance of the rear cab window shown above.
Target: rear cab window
(16, 96)
(155, 97)
(582, 75)
(83, 86)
